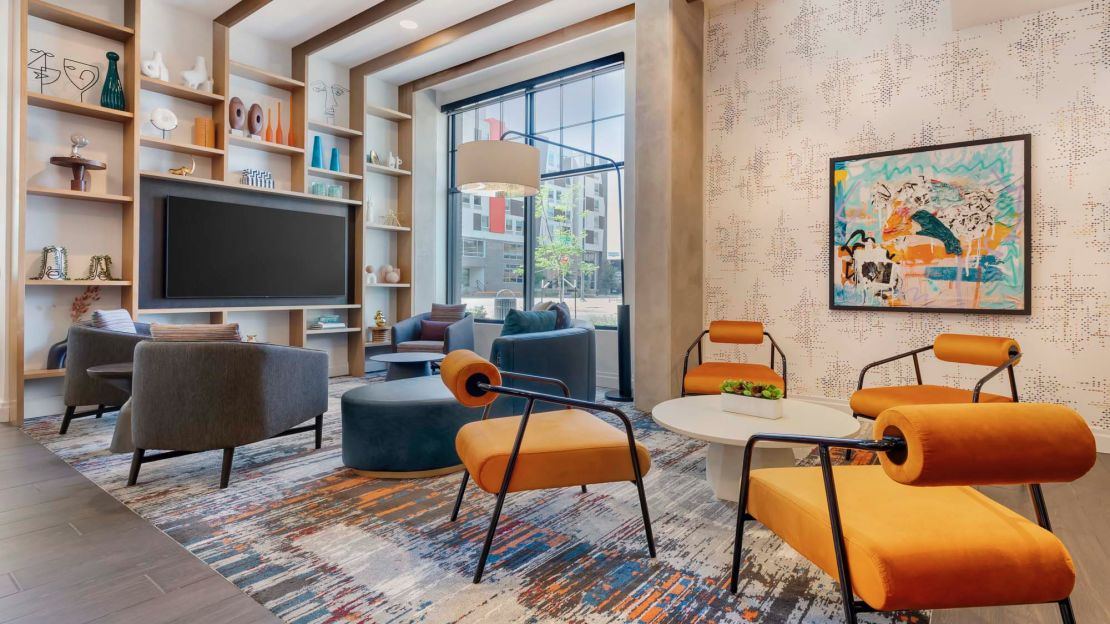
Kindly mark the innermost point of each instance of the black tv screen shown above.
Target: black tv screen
(219, 250)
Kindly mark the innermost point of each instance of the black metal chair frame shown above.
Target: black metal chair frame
(890, 445)
(72, 414)
(479, 385)
(139, 457)
(697, 343)
(1008, 366)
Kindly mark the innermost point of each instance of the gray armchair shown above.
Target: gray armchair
(88, 346)
(189, 397)
(459, 335)
(565, 354)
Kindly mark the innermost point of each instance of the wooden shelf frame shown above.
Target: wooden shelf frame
(382, 112)
(393, 171)
(265, 146)
(74, 107)
(76, 282)
(336, 131)
(244, 187)
(80, 21)
(342, 176)
(154, 142)
(44, 373)
(257, 74)
(179, 91)
(105, 198)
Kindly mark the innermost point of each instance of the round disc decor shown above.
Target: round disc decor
(254, 119)
(236, 114)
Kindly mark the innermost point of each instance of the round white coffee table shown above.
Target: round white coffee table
(701, 418)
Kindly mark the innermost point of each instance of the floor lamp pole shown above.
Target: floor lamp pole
(623, 393)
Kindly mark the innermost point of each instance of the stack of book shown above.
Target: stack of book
(328, 321)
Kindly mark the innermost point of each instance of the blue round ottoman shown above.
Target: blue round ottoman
(403, 429)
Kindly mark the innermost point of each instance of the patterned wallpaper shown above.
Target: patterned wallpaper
(791, 83)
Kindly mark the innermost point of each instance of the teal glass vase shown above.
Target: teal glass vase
(111, 96)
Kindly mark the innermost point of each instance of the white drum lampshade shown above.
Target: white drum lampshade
(498, 169)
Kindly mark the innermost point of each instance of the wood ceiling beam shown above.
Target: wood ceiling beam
(447, 35)
(241, 11)
(563, 35)
(353, 25)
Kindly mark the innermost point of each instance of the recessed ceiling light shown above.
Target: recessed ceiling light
(408, 24)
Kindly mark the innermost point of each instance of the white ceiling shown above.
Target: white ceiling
(290, 22)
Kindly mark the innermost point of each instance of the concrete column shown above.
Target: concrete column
(667, 226)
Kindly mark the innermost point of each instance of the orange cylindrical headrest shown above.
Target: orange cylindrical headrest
(462, 370)
(736, 332)
(986, 444)
(982, 350)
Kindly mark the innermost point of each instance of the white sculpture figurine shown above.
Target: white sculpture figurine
(155, 67)
(198, 75)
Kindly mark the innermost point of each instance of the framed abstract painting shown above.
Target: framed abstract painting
(932, 229)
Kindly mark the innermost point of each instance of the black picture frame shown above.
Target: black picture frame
(1025, 310)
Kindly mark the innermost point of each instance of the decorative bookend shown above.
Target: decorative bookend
(111, 96)
(100, 268)
(54, 264)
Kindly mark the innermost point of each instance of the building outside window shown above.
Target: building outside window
(556, 246)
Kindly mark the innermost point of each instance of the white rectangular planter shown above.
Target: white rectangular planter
(751, 406)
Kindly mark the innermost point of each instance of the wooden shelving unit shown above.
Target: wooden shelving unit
(332, 330)
(334, 175)
(393, 171)
(76, 282)
(380, 285)
(182, 148)
(180, 91)
(79, 21)
(387, 113)
(107, 198)
(243, 187)
(258, 74)
(332, 129)
(44, 373)
(265, 146)
(74, 107)
(390, 228)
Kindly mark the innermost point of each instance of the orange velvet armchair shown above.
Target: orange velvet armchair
(938, 542)
(541, 450)
(1002, 354)
(706, 377)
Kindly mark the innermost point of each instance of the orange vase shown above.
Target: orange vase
(269, 136)
(279, 135)
(292, 142)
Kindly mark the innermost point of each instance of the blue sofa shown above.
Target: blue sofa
(566, 354)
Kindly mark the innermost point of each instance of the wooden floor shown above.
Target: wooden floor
(70, 553)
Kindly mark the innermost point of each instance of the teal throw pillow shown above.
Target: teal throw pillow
(517, 322)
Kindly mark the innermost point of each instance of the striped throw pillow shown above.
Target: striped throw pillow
(441, 312)
(113, 320)
(228, 332)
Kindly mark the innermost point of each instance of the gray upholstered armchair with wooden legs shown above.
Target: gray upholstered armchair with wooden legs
(88, 346)
(189, 397)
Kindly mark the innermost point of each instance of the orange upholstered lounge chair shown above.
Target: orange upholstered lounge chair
(706, 378)
(535, 451)
(1000, 353)
(912, 533)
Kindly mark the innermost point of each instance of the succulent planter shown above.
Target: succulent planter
(751, 406)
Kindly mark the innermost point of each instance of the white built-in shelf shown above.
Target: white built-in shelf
(265, 146)
(77, 108)
(381, 285)
(43, 373)
(333, 330)
(258, 74)
(80, 21)
(106, 198)
(244, 187)
(386, 113)
(393, 171)
(174, 146)
(77, 282)
(333, 306)
(332, 129)
(180, 91)
(334, 175)
(390, 228)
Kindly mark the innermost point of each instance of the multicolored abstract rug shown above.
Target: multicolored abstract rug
(315, 543)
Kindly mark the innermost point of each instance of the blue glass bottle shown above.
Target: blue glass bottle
(111, 96)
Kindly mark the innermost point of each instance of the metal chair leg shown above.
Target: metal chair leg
(489, 535)
(319, 431)
(99, 410)
(70, 411)
(1066, 614)
(136, 462)
(225, 471)
(737, 551)
(583, 489)
(459, 498)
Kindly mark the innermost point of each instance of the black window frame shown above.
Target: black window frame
(528, 89)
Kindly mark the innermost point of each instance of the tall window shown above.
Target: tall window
(558, 245)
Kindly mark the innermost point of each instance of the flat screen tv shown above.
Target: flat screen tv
(217, 250)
